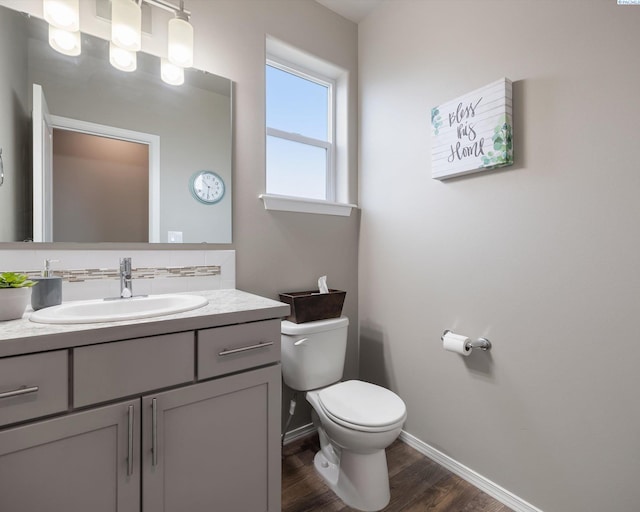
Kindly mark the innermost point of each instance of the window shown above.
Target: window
(300, 133)
(310, 157)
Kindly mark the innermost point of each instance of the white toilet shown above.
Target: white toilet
(356, 420)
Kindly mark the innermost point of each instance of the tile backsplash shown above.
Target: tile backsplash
(93, 274)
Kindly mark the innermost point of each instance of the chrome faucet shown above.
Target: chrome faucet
(126, 287)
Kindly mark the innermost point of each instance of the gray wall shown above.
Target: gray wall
(14, 131)
(541, 258)
(279, 251)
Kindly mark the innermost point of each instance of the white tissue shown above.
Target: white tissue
(322, 285)
(456, 343)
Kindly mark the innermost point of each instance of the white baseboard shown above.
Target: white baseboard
(297, 433)
(484, 484)
(477, 480)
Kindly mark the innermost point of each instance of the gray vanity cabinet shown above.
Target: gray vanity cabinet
(208, 444)
(75, 463)
(187, 421)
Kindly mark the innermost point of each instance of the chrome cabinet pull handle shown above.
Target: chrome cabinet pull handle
(130, 414)
(154, 432)
(24, 390)
(228, 352)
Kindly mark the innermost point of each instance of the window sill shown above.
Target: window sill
(302, 205)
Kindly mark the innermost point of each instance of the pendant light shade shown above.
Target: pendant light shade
(170, 73)
(126, 24)
(122, 59)
(180, 50)
(64, 41)
(62, 14)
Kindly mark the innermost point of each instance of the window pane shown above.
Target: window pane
(296, 169)
(297, 105)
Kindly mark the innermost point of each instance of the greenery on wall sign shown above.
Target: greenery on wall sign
(502, 153)
(436, 120)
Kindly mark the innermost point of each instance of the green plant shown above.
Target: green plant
(13, 280)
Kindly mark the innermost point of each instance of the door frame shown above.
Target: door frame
(43, 125)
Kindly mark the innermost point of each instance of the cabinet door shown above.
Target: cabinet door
(76, 463)
(216, 445)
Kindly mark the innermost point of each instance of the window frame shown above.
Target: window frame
(329, 145)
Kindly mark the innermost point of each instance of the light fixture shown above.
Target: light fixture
(62, 14)
(122, 59)
(63, 17)
(170, 73)
(64, 41)
(180, 47)
(126, 24)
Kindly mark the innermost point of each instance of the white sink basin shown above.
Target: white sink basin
(92, 311)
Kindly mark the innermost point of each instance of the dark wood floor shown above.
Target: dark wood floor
(417, 484)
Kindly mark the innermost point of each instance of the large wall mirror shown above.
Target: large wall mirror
(124, 147)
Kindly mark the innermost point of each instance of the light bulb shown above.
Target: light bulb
(180, 49)
(63, 14)
(122, 59)
(65, 42)
(126, 24)
(170, 73)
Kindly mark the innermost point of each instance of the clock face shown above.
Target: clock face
(207, 187)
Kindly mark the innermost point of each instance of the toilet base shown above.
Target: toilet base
(361, 481)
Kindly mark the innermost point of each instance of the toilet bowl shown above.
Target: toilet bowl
(356, 420)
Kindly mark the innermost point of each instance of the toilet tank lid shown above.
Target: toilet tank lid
(292, 329)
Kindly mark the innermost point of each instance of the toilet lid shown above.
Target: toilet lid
(357, 404)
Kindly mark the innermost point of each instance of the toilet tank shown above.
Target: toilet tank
(313, 353)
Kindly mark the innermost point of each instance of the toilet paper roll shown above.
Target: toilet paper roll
(456, 343)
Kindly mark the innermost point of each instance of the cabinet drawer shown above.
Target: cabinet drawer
(223, 350)
(33, 385)
(124, 368)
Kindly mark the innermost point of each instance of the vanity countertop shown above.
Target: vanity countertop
(225, 307)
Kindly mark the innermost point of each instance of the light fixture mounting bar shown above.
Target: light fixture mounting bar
(167, 6)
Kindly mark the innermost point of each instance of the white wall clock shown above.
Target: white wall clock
(207, 187)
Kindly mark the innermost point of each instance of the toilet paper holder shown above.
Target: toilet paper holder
(481, 343)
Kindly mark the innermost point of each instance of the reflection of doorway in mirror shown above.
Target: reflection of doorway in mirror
(116, 195)
(100, 188)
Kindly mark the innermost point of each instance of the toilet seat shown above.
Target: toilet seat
(362, 406)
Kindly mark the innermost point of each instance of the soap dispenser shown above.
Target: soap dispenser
(48, 291)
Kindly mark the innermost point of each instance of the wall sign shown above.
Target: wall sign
(472, 133)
